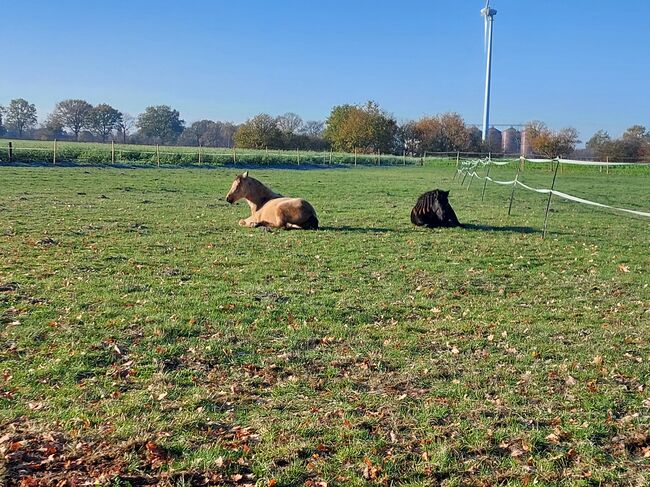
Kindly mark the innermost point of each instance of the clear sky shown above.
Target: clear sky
(566, 62)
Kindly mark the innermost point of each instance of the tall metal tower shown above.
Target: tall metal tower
(488, 14)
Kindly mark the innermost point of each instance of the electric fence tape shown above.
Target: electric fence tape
(470, 167)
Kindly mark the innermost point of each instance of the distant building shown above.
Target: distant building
(511, 141)
(526, 148)
(494, 139)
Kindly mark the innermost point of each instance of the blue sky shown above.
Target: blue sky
(566, 62)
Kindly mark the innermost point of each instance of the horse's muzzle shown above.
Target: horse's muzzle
(229, 200)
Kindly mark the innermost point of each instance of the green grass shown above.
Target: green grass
(97, 153)
(138, 319)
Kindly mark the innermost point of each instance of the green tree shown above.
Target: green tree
(161, 123)
(20, 115)
(362, 127)
(72, 114)
(102, 120)
(259, 132)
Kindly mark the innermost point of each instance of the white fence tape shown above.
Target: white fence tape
(581, 200)
(587, 163)
(473, 174)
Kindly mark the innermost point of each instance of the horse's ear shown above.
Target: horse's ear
(245, 175)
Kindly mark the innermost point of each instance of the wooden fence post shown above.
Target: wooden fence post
(330, 156)
(199, 153)
(404, 157)
(158, 154)
(378, 157)
(11, 152)
(234, 155)
(550, 195)
(298, 155)
(112, 152)
(355, 154)
(54, 153)
(607, 167)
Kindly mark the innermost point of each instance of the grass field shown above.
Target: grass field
(145, 338)
(97, 153)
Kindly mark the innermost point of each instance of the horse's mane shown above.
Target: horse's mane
(425, 203)
(262, 191)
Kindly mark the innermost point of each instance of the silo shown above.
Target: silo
(511, 141)
(494, 139)
(526, 149)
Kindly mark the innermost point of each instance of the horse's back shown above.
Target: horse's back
(284, 210)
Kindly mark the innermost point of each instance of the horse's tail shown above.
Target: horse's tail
(311, 223)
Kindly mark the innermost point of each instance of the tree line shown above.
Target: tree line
(364, 128)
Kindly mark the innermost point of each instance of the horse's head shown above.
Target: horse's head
(238, 188)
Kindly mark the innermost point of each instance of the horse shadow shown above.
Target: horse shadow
(347, 228)
(492, 228)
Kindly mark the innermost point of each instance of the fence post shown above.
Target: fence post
(234, 155)
(378, 157)
(112, 152)
(54, 153)
(158, 154)
(199, 153)
(404, 157)
(514, 185)
(607, 166)
(330, 156)
(550, 195)
(355, 155)
(487, 175)
(298, 155)
(11, 152)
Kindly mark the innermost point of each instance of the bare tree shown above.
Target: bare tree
(125, 125)
(289, 123)
(313, 128)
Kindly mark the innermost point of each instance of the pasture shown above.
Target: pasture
(146, 338)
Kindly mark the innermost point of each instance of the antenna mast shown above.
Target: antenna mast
(488, 14)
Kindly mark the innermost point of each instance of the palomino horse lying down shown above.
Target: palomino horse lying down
(269, 209)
